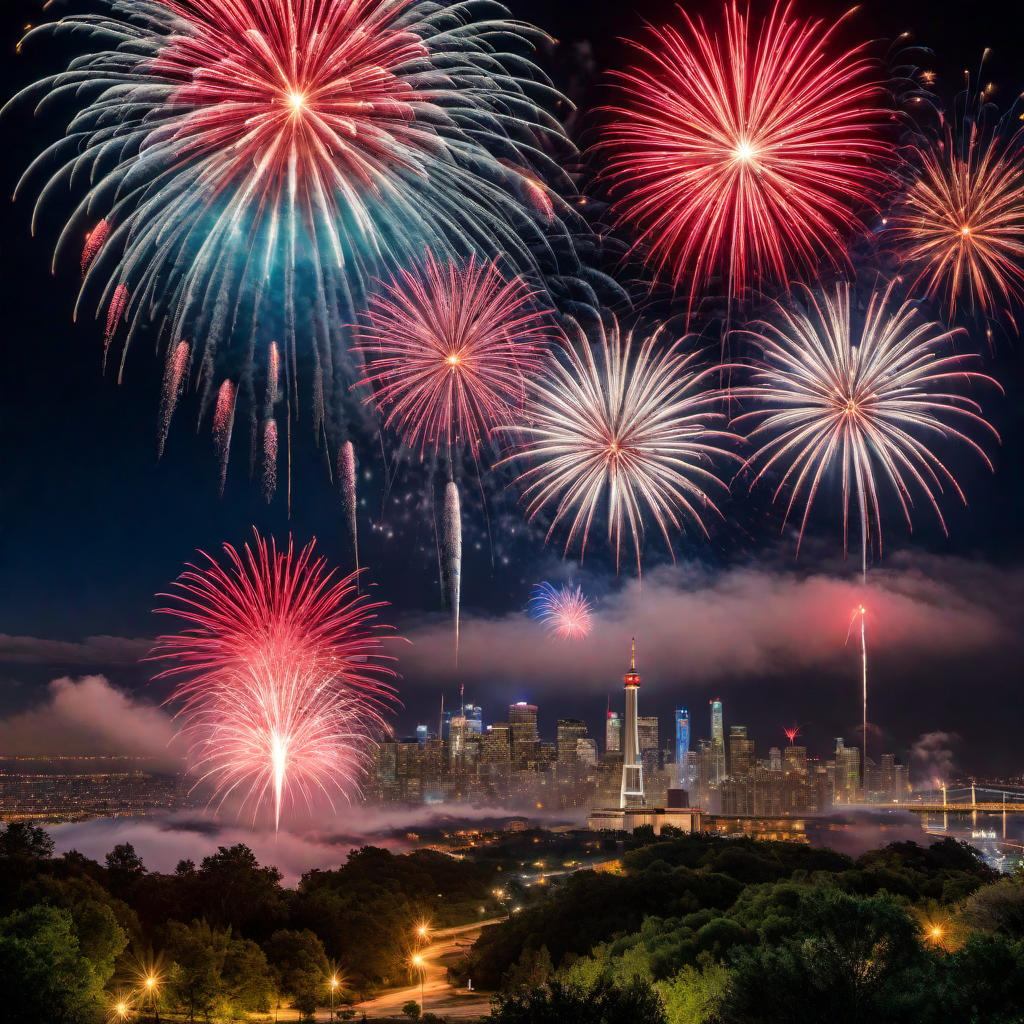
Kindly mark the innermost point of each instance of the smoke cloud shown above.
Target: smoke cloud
(694, 625)
(89, 716)
(932, 756)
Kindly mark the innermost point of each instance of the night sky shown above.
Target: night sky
(92, 525)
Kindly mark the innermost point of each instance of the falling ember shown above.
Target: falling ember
(174, 378)
(280, 677)
(93, 243)
(347, 480)
(118, 304)
(451, 541)
(273, 376)
(269, 458)
(564, 610)
(223, 422)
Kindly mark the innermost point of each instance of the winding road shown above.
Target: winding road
(446, 946)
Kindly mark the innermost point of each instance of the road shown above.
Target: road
(446, 946)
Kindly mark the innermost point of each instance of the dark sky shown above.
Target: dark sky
(91, 525)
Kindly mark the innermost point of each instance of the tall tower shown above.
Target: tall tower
(683, 748)
(718, 770)
(632, 791)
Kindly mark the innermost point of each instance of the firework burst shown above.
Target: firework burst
(634, 428)
(744, 154)
(960, 225)
(448, 351)
(280, 676)
(868, 399)
(565, 610)
(252, 164)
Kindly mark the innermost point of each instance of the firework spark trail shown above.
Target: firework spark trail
(273, 378)
(746, 153)
(269, 458)
(347, 481)
(635, 430)
(448, 351)
(280, 676)
(451, 542)
(259, 162)
(223, 424)
(565, 610)
(93, 243)
(872, 398)
(115, 313)
(960, 225)
(174, 380)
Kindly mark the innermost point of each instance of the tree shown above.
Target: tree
(44, 976)
(997, 908)
(693, 995)
(301, 966)
(248, 979)
(198, 953)
(558, 1003)
(853, 959)
(531, 970)
(236, 892)
(411, 1009)
(25, 843)
(984, 982)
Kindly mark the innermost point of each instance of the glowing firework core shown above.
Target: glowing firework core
(283, 683)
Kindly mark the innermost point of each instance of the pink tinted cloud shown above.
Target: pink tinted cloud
(90, 716)
(162, 841)
(743, 623)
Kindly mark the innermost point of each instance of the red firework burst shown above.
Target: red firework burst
(280, 674)
(745, 153)
(291, 91)
(449, 350)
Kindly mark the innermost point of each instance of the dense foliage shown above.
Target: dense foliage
(224, 937)
(744, 932)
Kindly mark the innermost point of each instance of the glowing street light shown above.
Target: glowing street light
(420, 963)
(334, 983)
(151, 984)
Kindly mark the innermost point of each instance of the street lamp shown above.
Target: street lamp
(152, 984)
(334, 988)
(420, 962)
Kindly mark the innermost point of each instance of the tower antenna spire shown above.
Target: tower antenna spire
(632, 656)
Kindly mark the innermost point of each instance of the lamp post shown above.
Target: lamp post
(334, 989)
(152, 984)
(419, 962)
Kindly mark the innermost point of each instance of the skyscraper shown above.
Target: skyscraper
(647, 732)
(718, 770)
(741, 752)
(568, 731)
(631, 793)
(613, 733)
(682, 719)
(523, 735)
(474, 719)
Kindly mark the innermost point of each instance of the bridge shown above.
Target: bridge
(964, 800)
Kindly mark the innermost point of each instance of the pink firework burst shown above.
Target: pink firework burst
(280, 675)
(449, 349)
(565, 610)
(744, 153)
